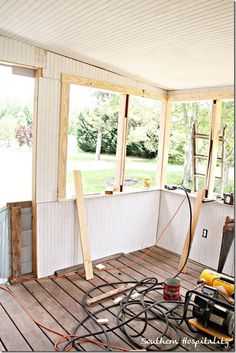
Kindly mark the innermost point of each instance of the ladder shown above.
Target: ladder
(196, 156)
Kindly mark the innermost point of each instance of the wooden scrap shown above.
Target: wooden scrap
(76, 268)
(108, 295)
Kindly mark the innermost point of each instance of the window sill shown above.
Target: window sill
(116, 193)
(193, 196)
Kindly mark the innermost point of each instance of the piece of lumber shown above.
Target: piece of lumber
(21, 204)
(16, 241)
(84, 81)
(121, 142)
(110, 294)
(196, 213)
(213, 147)
(199, 94)
(163, 144)
(63, 140)
(75, 268)
(82, 225)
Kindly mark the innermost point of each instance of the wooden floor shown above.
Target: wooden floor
(56, 303)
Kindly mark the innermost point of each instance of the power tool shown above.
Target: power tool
(210, 314)
(225, 284)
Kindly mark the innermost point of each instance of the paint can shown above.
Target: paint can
(171, 289)
(147, 182)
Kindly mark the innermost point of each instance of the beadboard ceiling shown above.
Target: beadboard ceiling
(173, 44)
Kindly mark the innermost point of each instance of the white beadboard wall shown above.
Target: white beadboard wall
(57, 64)
(212, 217)
(47, 140)
(17, 52)
(118, 223)
(58, 245)
(53, 65)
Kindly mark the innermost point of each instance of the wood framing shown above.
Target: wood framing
(213, 147)
(88, 267)
(38, 75)
(163, 146)
(201, 94)
(121, 142)
(15, 221)
(21, 204)
(63, 140)
(83, 81)
(196, 213)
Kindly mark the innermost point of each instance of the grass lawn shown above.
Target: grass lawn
(96, 180)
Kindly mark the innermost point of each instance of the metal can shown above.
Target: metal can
(171, 289)
(147, 182)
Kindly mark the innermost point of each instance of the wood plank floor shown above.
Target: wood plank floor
(56, 303)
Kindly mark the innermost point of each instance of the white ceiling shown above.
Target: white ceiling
(173, 44)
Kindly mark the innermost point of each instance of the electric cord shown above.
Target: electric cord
(190, 229)
(147, 310)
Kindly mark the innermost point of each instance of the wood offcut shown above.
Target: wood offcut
(110, 294)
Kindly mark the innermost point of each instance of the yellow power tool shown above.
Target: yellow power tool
(225, 284)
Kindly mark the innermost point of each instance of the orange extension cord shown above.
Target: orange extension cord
(64, 337)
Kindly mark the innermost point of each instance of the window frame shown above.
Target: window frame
(66, 81)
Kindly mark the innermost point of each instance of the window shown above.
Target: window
(92, 138)
(16, 114)
(142, 142)
(114, 136)
(183, 117)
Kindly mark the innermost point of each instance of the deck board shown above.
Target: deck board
(57, 303)
(12, 338)
(2, 348)
(139, 276)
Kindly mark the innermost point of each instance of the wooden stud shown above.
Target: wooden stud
(108, 295)
(82, 225)
(196, 213)
(38, 75)
(223, 157)
(194, 162)
(15, 217)
(121, 142)
(163, 146)
(63, 140)
(213, 147)
(189, 95)
(83, 81)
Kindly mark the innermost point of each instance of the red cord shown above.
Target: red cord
(63, 337)
(67, 337)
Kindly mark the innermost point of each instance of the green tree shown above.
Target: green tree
(143, 127)
(97, 126)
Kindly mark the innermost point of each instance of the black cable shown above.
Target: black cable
(190, 230)
(150, 310)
